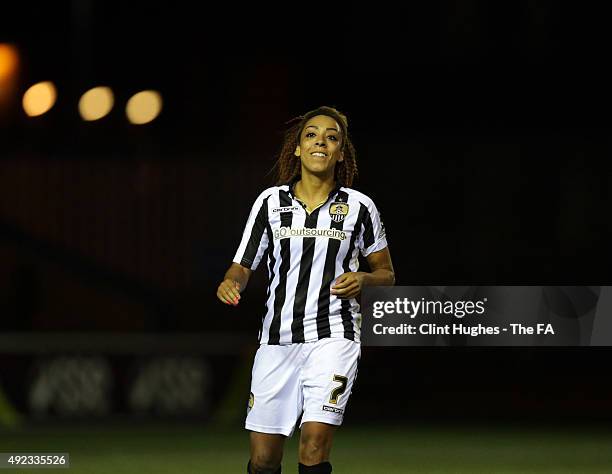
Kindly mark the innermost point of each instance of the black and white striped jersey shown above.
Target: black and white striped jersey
(306, 253)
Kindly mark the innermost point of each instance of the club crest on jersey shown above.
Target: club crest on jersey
(338, 211)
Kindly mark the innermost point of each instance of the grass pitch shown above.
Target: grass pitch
(152, 449)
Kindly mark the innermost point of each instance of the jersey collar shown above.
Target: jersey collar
(296, 178)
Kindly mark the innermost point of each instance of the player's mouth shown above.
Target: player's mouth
(319, 154)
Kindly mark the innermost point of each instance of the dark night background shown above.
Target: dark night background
(482, 134)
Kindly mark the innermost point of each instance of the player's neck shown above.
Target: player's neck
(313, 188)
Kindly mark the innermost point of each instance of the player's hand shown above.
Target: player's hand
(229, 292)
(348, 285)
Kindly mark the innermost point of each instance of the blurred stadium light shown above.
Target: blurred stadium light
(143, 107)
(39, 98)
(96, 103)
(9, 68)
(9, 60)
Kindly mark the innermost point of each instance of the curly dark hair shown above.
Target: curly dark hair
(288, 166)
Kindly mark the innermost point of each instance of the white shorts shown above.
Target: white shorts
(315, 378)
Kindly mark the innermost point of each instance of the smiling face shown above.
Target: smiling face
(320, 145)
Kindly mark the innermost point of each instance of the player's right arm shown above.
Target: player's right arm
(234, 281)
(250, 251)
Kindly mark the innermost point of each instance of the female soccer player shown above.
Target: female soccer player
(313, 226)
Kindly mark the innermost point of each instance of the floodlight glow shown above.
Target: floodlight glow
(143, 107)
(96, 103)
(39, 98)
(9, 60)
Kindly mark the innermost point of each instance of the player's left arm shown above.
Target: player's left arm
(349, 285)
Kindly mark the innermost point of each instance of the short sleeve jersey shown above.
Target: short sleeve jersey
(306, 252)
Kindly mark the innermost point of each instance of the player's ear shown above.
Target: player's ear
(341, 156)
(297, 151)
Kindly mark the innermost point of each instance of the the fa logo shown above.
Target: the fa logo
(545, 329)
(338, 211)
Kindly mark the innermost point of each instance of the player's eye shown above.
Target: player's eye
(333, 137)
(310, 134)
